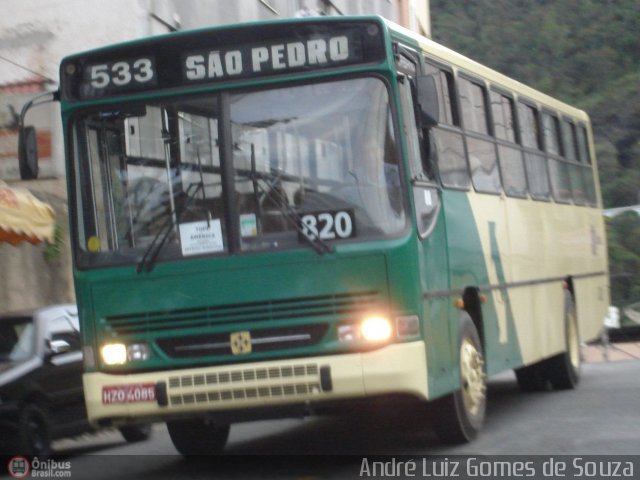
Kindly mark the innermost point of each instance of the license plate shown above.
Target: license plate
(134, 393)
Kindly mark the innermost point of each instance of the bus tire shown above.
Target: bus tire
(532, 378)
(198, 436)
(136, 433)
(563, 370)
(458, 417)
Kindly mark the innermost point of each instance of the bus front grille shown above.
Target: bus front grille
(287, 381)
(261, 340)
(313, 308)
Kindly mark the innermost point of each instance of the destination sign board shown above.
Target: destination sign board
(220, 55)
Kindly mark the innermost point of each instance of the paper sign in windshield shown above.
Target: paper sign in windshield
(198, 238)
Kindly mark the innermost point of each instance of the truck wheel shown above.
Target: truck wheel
(198, 436)
(458, 417)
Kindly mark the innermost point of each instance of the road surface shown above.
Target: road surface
(601, 417)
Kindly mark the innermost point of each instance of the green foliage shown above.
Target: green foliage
(623, 232)
(53, 251)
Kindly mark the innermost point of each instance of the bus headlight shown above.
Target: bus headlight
(114, 354)
(119, 353)
(376, 329)
(138, 352)
(348, 333)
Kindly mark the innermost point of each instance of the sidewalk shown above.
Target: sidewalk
(614, 353)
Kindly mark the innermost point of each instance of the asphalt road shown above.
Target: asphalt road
(601, 417)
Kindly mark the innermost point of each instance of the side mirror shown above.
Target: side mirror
(27, 141)
(428, 100)
(57, 347)
(28, 153)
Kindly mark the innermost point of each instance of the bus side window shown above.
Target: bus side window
(445, 146)
(474, 107)
(529, 128)
(535, 162)
(570, 150)
(483, 160)
(512, 167)
(585, 160)
(444, 86)
(558, 168)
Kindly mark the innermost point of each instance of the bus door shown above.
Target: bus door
(433, 259)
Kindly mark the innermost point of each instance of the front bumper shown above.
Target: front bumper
(394, 369)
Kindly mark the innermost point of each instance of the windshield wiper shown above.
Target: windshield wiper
(291, 215)
(280, 201)
(151, 253)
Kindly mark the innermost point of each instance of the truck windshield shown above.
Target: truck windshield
(317, 160)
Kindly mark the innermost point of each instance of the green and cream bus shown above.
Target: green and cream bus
(295, 216)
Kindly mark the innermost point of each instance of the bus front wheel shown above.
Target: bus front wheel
(198, 436)
(458, 417)
(136, 433)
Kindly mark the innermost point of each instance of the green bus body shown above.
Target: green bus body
(509, 259)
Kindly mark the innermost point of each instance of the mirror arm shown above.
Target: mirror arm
(53, 97)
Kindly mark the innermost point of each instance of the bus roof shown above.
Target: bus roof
(429, 47)
(458, 61)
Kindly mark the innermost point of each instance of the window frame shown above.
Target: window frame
(482, 84)
(506, 143)
(457, 129)
(537, 151)
(576, 164)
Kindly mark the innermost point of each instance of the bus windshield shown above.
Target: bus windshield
(319, 160)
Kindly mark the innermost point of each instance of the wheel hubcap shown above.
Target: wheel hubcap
(473, 376)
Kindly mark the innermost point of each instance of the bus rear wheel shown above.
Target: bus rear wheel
(458, 417)
(198, 436)
(532, 378)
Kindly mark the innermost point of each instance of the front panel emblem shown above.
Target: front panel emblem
(240, 343)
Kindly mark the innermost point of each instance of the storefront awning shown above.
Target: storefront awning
(23, 217)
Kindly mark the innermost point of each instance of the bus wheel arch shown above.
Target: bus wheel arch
(563, 370)
(472, 301)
